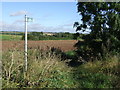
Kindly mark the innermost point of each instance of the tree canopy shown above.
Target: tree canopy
(103, 20)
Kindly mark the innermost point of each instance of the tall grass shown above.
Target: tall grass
(46, 70)
(99, 73)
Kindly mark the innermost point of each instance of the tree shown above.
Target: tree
(103, 20)
(76, 35)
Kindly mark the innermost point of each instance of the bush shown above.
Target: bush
(99, 74)
(45, 70)
(41, 36)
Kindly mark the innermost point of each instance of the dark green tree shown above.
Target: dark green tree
(76, 35)
(103, 21)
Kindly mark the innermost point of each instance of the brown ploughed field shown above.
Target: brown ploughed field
(64, 45)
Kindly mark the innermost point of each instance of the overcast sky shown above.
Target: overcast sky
(48, 16)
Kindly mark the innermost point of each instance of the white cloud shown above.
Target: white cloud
(68, 25)
(10, 27)
(20, 27)
(35, 27)
(19, 13)
(60, 28)
(20, 21)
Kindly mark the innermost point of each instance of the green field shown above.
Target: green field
(36, 36)
(10, 37)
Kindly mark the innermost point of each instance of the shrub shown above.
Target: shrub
(99, 73)
(45, 70)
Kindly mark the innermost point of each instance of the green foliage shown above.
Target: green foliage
(94, 80)
(75, 36)
(36, 33)
(11, 33)
(36, 36)
(103, 19)
(5, 84)
(46, 70)
(99, 74)
(56, 36)
(71, 53)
